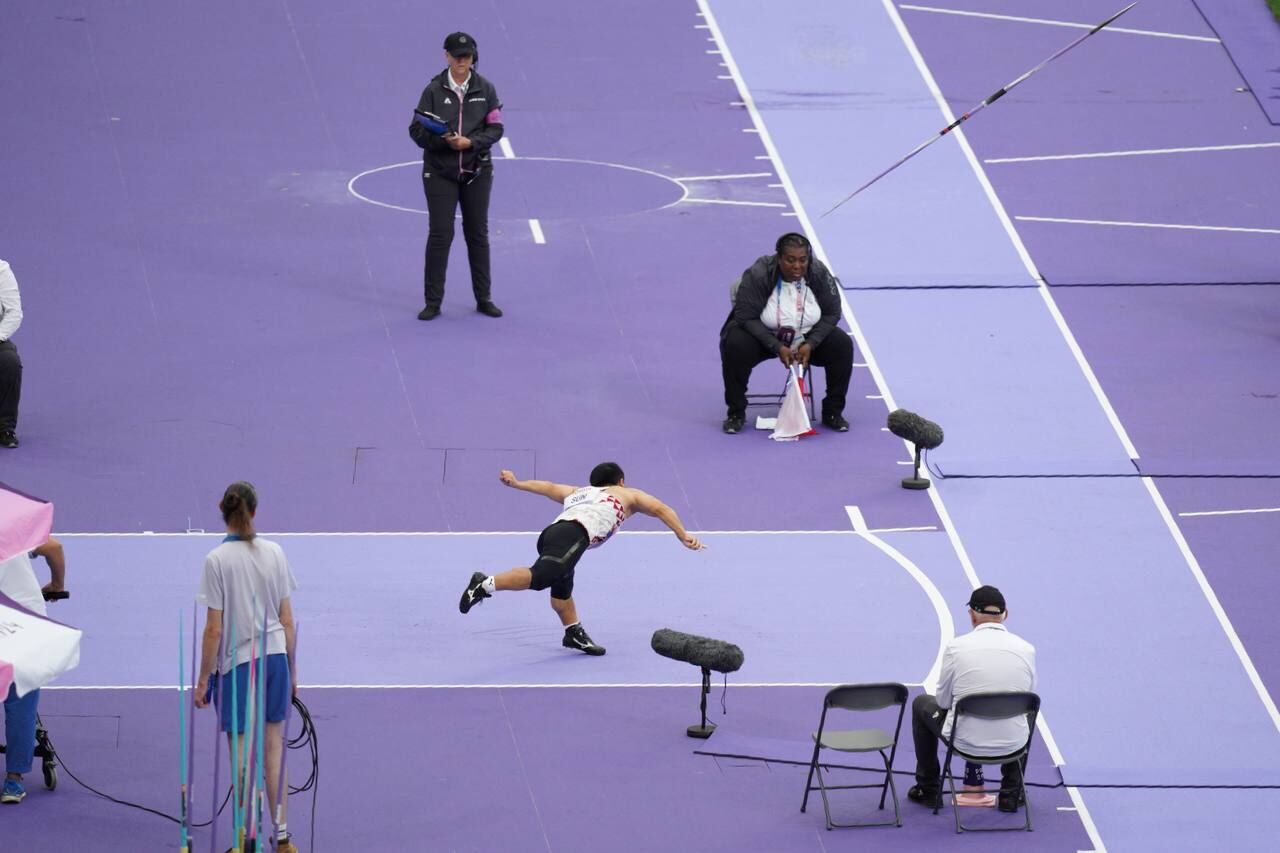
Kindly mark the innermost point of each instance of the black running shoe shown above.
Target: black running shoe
(575, 637)
(474, 593)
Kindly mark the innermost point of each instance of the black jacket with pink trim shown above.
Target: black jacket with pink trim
(479, 119)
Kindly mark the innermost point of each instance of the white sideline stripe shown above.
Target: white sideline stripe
(536, 228)
(1134, 153)
(1214, 604)
(1174, 226)
(903, 529)
(963, 141)
(741, 203)
(946, 625)
(726, 177)
(1228, 512)
(462, 686)
(507, 151)
(1042, 724)
(1050, 23)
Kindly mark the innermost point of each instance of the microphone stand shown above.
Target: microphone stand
(915, 481)
(704, 731)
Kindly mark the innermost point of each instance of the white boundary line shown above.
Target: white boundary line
(1148, 225)
(1227, 512)
(1244, 146)
(1214, 604)
(1018, 246)
(351, 184)
(731, 177)
(536, 228)
(872, 365)
(504, 145)
(1050, 23)
(946, 625)
(681, 684)
(728, 201)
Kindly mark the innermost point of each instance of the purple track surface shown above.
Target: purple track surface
(1251, 34)
(216, 220)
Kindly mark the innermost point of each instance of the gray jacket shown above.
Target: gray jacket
(757, 284)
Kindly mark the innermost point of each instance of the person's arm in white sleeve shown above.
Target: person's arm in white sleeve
(10, 303)
(946, 678)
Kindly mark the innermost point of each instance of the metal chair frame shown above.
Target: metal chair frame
(994, 706)
(859, 697)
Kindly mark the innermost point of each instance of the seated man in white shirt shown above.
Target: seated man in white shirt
(787, 307)
(10, 364)
(989, 659)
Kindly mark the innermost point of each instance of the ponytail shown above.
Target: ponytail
(239, 503)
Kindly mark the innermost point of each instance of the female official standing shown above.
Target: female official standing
(465, 121)
(240, 573)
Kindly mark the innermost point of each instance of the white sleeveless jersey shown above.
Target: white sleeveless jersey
(599, 512)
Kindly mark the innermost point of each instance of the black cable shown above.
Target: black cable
(306, 738)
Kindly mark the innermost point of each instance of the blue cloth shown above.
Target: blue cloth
(20, 730)
(279, 692)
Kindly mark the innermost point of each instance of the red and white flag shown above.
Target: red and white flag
(793, 416)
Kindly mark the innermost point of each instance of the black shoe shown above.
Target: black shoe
(835, 422)
(575, 637)
(1008, 802)
(488, 309)
(8, 439)
(474, 593)
(930, 799)
(429, 313)
(733, 424)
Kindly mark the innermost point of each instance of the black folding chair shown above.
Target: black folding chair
(858, 697)
(993, 706)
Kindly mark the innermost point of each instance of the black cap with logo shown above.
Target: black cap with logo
(988, 600)
(460, 44)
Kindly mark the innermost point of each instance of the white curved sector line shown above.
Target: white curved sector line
(946, 625)
(351, 184)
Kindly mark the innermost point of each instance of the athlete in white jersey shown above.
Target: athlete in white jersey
(590, 516)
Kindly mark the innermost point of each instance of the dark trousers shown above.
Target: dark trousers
(740, 352)
(10, 386)
(926, 730)
(444, 197)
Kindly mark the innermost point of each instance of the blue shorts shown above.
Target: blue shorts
(279, 692)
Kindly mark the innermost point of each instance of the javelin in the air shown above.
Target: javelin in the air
(997, 95)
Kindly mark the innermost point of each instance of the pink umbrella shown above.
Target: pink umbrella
(25, 522)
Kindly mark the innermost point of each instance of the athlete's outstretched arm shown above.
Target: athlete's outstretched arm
(646, 503)
(556, 491)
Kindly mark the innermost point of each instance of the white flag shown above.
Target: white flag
(793, 417)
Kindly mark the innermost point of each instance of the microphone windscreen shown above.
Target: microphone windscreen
(699, 651)
(915, 429)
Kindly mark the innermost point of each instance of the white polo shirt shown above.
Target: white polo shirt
(989, 659)
(247, 580)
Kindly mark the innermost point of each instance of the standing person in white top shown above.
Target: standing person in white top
(245, 578)
(10, 363)
(787, 306)
(989, 659)
(591, 515)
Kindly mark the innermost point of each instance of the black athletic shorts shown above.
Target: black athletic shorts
(560, 547)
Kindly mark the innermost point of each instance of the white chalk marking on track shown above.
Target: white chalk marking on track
(726, 177)
(536, 228)
(505, 145)
(1051, 23)
(1228, 512)
(1244, 146)
(1171, 225)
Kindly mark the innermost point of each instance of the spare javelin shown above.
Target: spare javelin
(997, 95)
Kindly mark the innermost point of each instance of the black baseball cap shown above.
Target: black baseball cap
(460, 44)
(987, 599)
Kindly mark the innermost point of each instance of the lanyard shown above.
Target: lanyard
(800, 304)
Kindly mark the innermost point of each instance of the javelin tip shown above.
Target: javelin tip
(1113, 17)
